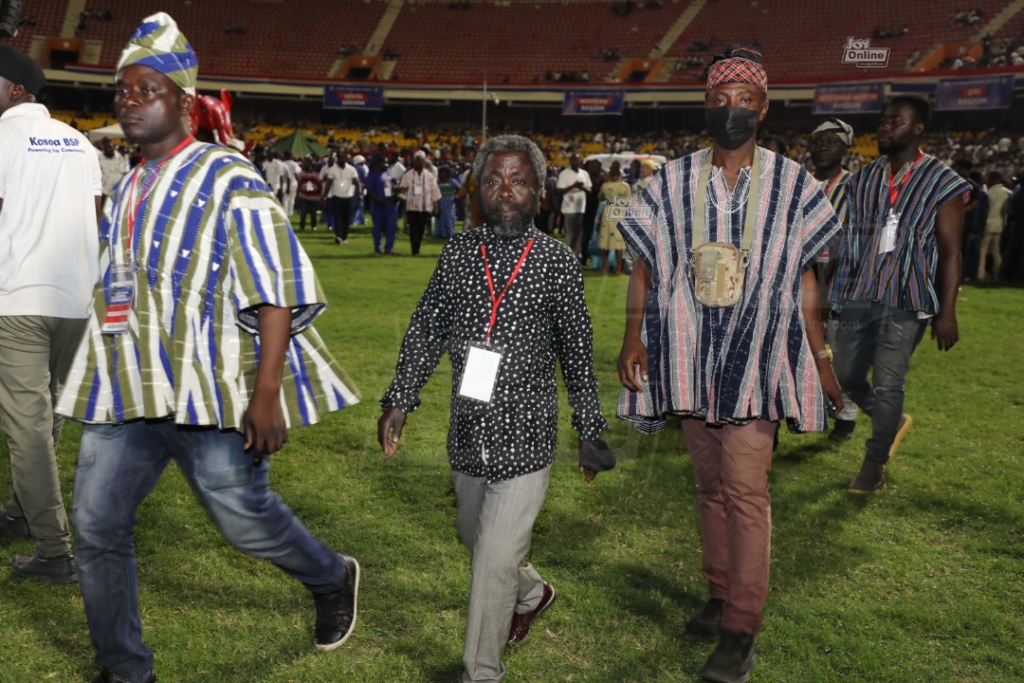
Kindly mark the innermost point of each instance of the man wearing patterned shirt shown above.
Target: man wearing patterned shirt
(421, 193)
(732, 359)
(504, 409)
(199, 349)
(899, 267)
(830, 142)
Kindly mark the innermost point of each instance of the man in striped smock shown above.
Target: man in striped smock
(830, 143)
(731, 368)
(199, 349)
(898, 268)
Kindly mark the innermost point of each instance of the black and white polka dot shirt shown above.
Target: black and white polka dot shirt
(542, 317)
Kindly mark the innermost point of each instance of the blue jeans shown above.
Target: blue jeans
(118, 466)
(385, 225)
(873, 335)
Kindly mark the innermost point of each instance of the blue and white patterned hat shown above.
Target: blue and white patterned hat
(158, 44)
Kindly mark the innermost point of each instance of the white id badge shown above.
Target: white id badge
(122, 291)
(480, 372)
(387, 189)
(417, 190)
(888, 241)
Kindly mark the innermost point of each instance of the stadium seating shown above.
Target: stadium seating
(48, 16)
(516, 42)
(521, 40)
(809, 45)
(288, 40)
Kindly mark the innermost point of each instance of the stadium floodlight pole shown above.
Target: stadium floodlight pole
(483, 122)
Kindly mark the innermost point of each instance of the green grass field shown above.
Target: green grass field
(922, 583)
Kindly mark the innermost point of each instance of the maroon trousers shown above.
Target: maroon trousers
(731, 464)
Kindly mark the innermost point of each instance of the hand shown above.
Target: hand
(595, 456)
(264, 426)
(944, 329)
(633, 354)
(829, 383)
(389, 430)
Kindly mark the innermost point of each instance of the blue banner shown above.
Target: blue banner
(593, 102)
(854, 98)
(982, 92)
(353, 97)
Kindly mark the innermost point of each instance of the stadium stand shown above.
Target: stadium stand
(277, 40)
(809, 45)
(43, 18)
(524, 41)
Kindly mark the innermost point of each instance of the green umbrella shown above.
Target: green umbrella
(299, 144)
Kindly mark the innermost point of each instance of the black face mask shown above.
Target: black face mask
(731, 126)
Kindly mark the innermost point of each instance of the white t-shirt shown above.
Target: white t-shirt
(574, 201)
(342, 180)
(396, 171)
(112, 169)
(293, 174)
(277, 174)
(49, 239)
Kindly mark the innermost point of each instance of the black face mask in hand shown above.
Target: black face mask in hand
(731, 126)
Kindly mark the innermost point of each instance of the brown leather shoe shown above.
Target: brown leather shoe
(521, 623)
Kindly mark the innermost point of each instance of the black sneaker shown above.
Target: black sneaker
(732, 660)
(843, 430)
(15, 526)
(105, 676)
(706, 624)
(60, 569)
(869, 481)
(336, 612)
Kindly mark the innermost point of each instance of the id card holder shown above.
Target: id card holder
(119, 303)
(387, 189)
(888, 241)
(417, 190)
(480, 372)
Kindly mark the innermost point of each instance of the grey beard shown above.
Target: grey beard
(510, 227)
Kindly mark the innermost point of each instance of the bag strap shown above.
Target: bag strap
(697, 234)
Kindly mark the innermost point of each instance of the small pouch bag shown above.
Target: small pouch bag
(718, 268)
(718, 271)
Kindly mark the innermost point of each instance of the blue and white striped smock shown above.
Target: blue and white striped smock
(212, 244)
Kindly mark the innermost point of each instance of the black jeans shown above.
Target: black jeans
(342, 207)
(307, 207)
(416, 221)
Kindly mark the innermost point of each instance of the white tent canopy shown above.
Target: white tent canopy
(112, 131)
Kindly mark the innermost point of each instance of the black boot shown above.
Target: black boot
(706, 624)
(869, 481)
(843, 430)
(732, 660)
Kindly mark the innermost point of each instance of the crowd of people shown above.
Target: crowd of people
(187, 333)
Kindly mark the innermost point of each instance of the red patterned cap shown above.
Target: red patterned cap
(737, 65)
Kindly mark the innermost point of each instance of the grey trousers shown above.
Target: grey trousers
(573, 224)
(495, 521)
(873, 336)
(36, 353)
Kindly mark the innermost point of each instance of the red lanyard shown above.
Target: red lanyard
(836, 180)
(894, 192)
(495, 302)
(135, 204)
